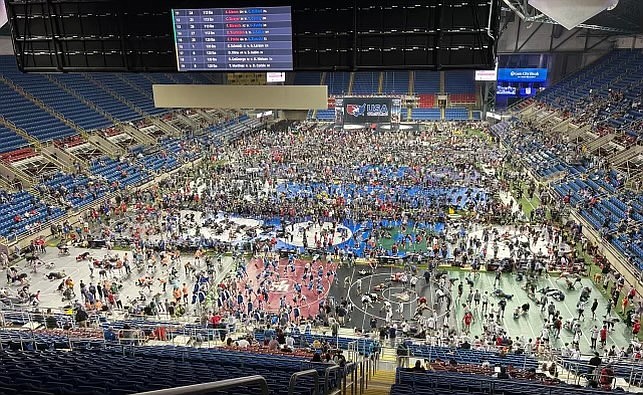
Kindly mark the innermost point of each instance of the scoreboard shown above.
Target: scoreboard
(233, 39)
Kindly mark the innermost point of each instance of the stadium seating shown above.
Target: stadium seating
(462, 98)
(426, 82)
(326, 115)
(365, 83)
(109, 371)
(395, 82)
(363, 345)
(113, 83)
(427, 101)
(472, 357)
(53, 96)
(18, 155)
(29, 117)
(307, 78)
(579, 182)
(459, 82)
(159, 162)
(456, 114)
(337, 83)
(618, 71)
(21, 210)
(158, 78)
(446, 383)
(76, 189)
(622, 369)
(10, 140)
(101, 99)
(426, 114)
(121, 172)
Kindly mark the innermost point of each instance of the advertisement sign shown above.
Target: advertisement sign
(522, 75)
(366, 110)
(275, 77)
(486, 75)
(506, 90)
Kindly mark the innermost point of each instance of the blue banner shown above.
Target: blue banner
(522, 75)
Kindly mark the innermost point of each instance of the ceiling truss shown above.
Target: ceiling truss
(527, 13)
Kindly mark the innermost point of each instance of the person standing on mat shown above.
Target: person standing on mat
(593, 308)
(595, 332)
(581, 309)
(485, 301)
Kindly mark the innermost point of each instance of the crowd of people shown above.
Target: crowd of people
(306, 172)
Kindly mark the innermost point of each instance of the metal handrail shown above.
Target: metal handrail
(207, 388)
(376, 362)
(352, 369)
(327, 373)
(362, 374)
(296, 376)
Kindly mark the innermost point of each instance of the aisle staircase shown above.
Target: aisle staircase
(381, 382)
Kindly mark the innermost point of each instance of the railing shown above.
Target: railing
(350, 369)
(574, 371)
(293, 380)
(495, 385)
(209, 388)
(432, 352)
(331, 370)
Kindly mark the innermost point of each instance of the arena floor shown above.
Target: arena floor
(51, 298)
(528, 326)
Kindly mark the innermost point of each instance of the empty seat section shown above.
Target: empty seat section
(10, 140)
(426, 82)
(395, 82)
(337, 83)
(132, 95)
(456, 114)
(56, 98)
(365, 83)
(307, 78)
(99, 97)
(29, 117)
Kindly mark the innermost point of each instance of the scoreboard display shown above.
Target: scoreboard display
(233, 39)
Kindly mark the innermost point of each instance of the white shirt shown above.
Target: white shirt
(243, 343)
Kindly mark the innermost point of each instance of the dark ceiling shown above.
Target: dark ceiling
(628, 15)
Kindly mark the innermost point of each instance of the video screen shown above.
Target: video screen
(233, 39)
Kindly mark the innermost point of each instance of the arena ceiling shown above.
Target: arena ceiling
(625, 19)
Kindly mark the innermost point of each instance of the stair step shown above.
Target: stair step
(380, 383)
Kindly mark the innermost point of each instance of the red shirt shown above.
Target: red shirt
(603, 334)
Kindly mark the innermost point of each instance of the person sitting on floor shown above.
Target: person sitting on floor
(499, 293)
